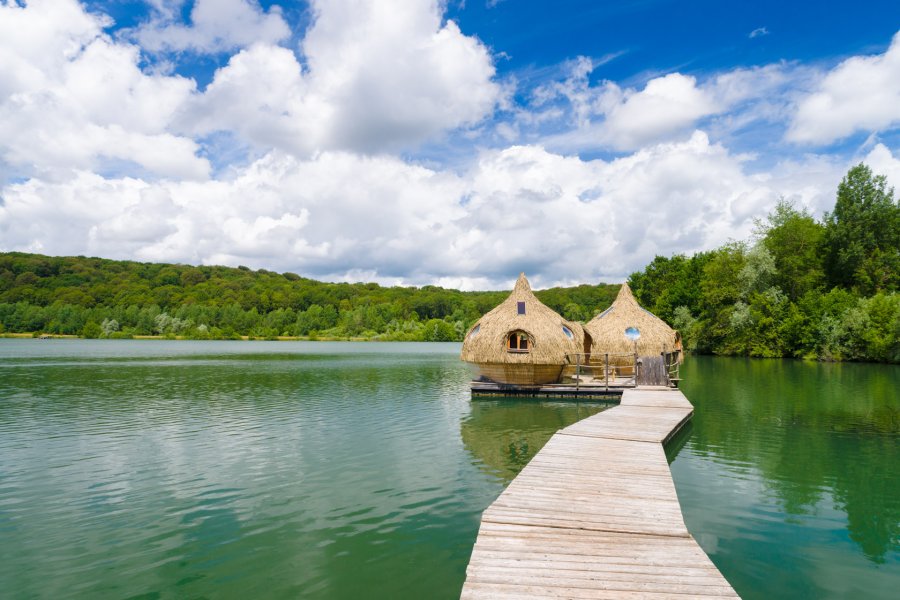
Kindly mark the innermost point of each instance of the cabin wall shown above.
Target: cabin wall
(520, 374)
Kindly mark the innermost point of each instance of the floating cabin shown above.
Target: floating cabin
(608, 330)
(522, 341)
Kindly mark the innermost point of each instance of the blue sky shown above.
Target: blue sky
(454, 143)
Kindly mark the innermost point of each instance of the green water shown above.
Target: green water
(152, 469)
(790, 475)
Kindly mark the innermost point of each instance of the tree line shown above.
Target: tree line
(100, 298)
(802, 287)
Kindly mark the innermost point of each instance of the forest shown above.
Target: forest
(800, 288)
(100, 298)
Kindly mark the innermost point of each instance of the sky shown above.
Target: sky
(414, 142)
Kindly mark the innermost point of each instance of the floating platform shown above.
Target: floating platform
(595, 515)
(614, 389)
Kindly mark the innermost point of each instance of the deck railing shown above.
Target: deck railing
(622, 370)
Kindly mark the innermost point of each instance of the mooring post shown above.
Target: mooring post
(606, 368)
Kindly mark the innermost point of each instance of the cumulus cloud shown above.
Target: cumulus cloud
(882, 162)
(860, 94)
(379, 76)
(665, 106)
(216, 26)
(71, 98)
(108, 158)
(341, 216)
(668, 108)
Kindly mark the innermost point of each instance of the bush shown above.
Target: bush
(91, 331)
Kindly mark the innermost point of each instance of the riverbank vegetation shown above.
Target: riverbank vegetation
(802, 287)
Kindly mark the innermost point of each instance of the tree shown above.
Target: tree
(668, 283)
(862, 234)
(720, 291)
(794, 239)
(109, 327)
(437, 330)
(91, 331)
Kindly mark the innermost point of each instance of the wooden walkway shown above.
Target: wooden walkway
(595, 515)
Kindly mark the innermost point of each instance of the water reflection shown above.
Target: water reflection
(807, 457)
(504, 434)
(234, 470)
(235, 474)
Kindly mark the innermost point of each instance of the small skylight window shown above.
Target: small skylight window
(475, 331)
(521, 306)
(568, 332)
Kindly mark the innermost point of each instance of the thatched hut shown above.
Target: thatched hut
(610, 331)
(522, 341)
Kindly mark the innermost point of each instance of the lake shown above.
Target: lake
(172, 469)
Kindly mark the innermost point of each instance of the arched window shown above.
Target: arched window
(475, 331)
(518, 342)
(568, 332)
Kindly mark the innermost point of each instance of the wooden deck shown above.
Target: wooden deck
(595, 515)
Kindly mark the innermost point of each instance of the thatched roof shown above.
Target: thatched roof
(485, 342)
(607, 330)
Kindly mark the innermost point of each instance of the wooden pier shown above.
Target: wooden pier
(595, 515)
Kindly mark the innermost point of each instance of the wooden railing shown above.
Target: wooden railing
(622, 370)
(606, 369)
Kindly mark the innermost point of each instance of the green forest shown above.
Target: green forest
(99, 298)
(801, 288)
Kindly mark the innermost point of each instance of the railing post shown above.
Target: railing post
(665, 365)
(577, 371)
(606, 368)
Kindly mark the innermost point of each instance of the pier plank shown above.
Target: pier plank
(595, 515)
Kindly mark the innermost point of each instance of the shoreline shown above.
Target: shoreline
(243, 338)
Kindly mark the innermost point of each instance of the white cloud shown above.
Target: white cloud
(81, 101)
(340, 216)
(758, 32)
(667, 105)
(216, 26)
(37, 39)
(322, 197)
(860, 94)
(668, 108)
(883, 162)
(262, 97)
(380, 76)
